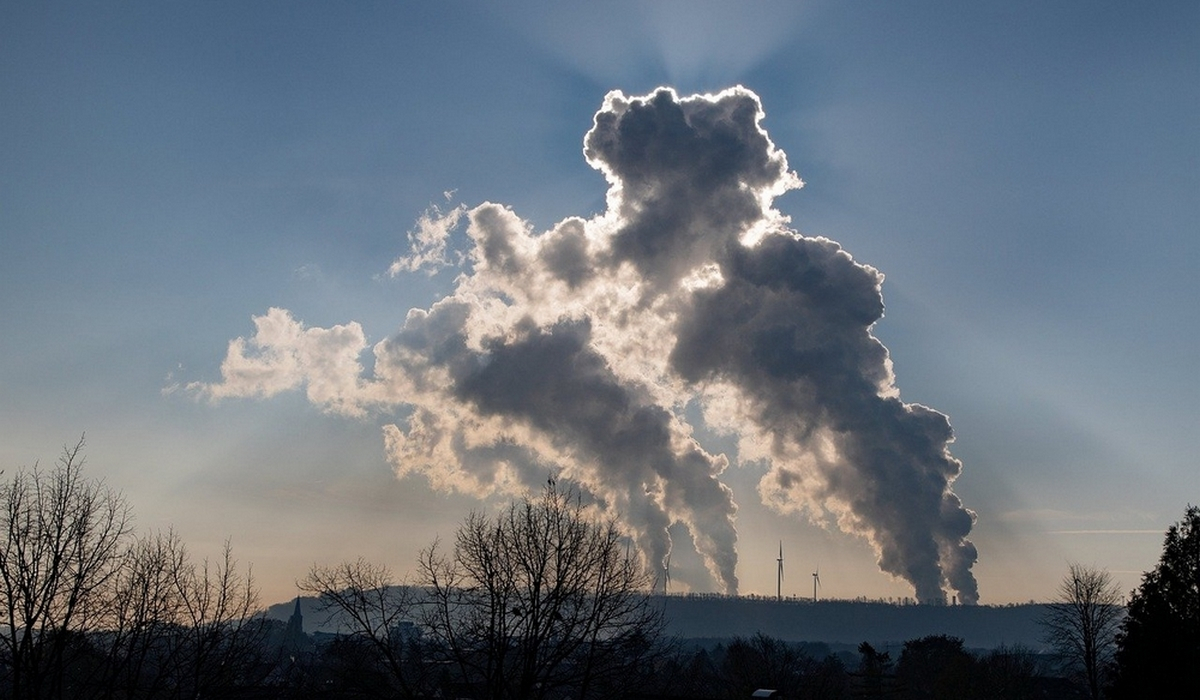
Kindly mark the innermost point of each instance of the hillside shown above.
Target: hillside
(834, 622)
(847, 622)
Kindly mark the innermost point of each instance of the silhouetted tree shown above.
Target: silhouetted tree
(539, 599)
(222, 627)
(1006, 673)
(935, 667)
(87, 610)
(366, 602)
(1158, 647)
(1082, 622)
(144, 613)
(764, 662)
(761, 662)
(874, 677)
(693, 676)
(176, 629)
(61, 539)
(826, 680)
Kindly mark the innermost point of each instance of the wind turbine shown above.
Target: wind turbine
(779, 574)
(816, 582)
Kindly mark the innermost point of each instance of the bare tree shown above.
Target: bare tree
(223, 628)
(1007, 673)
(175, 629)
(540, 598)
(61, 540)
(1082, 623)
(761, 661)
(145, 616)
(366, 602)
(87, 607)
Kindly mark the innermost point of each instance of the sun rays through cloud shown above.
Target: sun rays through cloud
(578, 350)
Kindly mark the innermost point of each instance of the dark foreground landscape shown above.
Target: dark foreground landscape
(732, 647)
(539, 601)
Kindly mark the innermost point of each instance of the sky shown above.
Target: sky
(233, 235)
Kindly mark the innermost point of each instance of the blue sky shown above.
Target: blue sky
(1025, 175)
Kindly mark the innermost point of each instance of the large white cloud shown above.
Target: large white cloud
(576, 350)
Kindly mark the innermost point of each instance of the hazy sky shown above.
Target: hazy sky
(1025, 176)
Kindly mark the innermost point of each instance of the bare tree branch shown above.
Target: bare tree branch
(1082, 623)
(61, 537)
(538, 599)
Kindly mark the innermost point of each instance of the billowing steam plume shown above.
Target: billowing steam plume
(578, 349)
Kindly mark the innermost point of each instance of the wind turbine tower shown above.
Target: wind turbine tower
(816, 582)
(779, 574)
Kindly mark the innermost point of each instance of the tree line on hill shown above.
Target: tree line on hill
(543, 600)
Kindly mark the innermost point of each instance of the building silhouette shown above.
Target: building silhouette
(294, 638)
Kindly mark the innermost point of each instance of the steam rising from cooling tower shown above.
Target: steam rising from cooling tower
(576, 349)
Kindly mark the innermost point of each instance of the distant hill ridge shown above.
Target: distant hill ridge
(830, 621)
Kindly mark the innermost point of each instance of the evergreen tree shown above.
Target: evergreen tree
(1158, 652)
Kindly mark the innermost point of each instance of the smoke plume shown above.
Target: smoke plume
(577, 349)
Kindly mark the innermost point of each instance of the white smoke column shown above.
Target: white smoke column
(783, 329)
(575, 350)
(510, 383)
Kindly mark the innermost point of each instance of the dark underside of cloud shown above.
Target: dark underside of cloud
(576, 350)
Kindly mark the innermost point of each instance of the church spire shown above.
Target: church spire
(294, 637)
